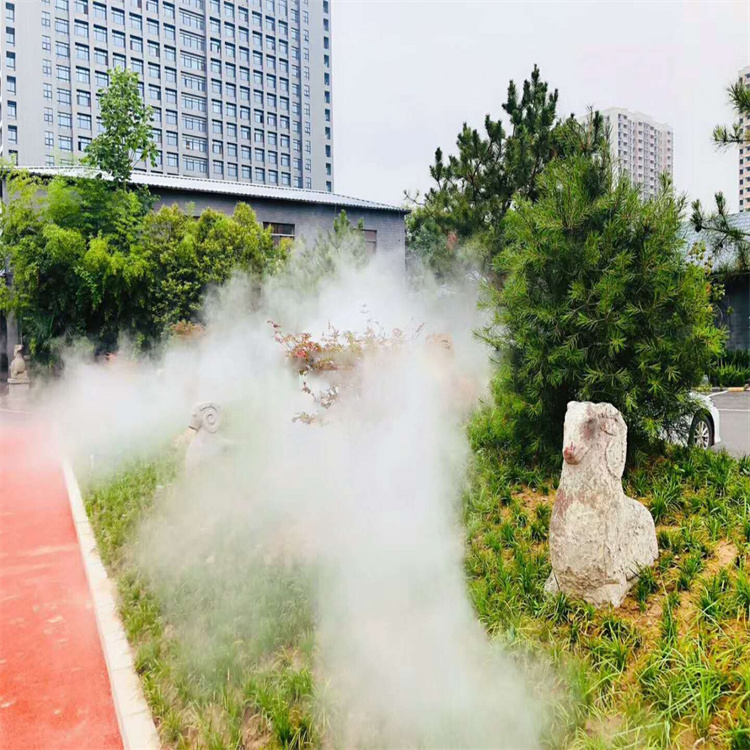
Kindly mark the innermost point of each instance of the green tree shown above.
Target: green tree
(599, 303)
(475, 188)
(187, 256)
(729, 245)
(89, 260)
(343, 245)
(127, 137)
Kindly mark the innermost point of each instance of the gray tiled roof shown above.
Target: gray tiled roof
(226, 187)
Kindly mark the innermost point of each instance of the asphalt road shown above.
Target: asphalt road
(734, 409)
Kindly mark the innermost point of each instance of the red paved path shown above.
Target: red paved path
(54, 688)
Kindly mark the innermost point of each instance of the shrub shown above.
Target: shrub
(730, 368)
(91, 260)
(599, 303)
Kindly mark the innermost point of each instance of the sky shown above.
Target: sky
(408, 73)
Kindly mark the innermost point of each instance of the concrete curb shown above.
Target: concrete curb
(133, 715)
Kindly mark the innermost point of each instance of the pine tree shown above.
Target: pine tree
(729, 245)
(475, 189)
(599, 303)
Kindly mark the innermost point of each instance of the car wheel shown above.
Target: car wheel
(701, 432)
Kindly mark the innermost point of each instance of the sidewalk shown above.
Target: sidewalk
(54, 689)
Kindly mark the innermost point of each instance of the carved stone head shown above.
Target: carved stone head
(595, 432)
(205, 416)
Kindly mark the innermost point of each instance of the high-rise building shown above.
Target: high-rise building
(641, 148)
(240, 90)
(744, 185)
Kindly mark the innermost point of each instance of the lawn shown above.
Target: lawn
(669, 669)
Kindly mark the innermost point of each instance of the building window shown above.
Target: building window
(49, 139)
(279, 232)
(62, 27)
(12, 134)
(370, 235)
(65, 142)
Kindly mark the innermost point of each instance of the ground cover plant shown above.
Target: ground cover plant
(670, 667)
(248, 686)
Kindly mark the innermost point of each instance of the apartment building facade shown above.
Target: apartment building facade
(240, 90)
(743, 174)
(641, 148)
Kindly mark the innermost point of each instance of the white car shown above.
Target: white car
(705, 429)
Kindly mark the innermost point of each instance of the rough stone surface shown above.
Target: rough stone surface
(205, 420)
(599, 538)
(18, 371)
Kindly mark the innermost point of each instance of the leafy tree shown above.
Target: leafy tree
(187, 256)
(599, 303)
(475, 189)
(127, 129)
(90, 261)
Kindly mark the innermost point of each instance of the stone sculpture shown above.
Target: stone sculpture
(18, 370)
(205, 420)
(599, 539)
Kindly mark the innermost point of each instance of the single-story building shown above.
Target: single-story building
(734, 308)
(289, 212)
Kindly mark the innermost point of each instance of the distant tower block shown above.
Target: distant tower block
(641, 148)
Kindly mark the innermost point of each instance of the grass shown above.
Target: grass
(670, 668)
(667, 669)
(250, 684)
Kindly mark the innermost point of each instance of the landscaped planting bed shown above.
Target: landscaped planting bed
(668, 669)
